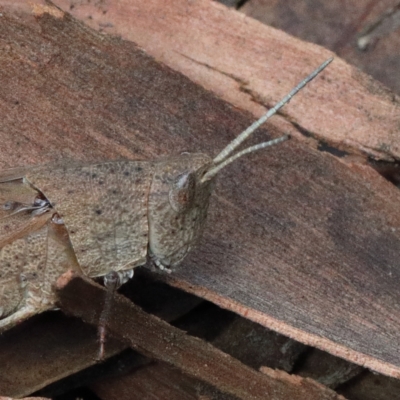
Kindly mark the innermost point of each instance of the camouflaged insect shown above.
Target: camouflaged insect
(103, 218)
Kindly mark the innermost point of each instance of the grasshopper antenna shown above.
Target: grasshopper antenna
(223, 159)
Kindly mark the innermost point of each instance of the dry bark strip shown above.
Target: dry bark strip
(45, 350)
(251, 65)
(244, 340)
(157, 339)
(157, 381)
(361, 32)
(51, 347)
(296, 240)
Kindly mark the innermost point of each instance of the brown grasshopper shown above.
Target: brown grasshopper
(113, 218)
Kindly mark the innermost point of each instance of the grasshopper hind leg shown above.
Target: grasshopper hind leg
(31, 261)
(21, 299)
(19, 316)
(34, 251)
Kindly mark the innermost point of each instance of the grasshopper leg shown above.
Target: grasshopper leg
(19, 316)
(112, 281)
(33, 301)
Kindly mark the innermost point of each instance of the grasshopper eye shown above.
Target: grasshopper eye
(182, 193)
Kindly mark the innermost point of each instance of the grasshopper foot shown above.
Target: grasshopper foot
(161, 266)
(156, 261)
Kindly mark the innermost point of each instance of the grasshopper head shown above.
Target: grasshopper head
(181, 189)
(178, 204)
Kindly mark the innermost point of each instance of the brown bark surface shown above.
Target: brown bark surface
(252, 66)
(296, 240)
(46, 349)
(365, 33)
(158, 340)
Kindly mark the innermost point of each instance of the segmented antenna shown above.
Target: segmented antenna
(222, 158)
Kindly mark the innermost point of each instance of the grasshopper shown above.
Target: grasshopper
(114, 217)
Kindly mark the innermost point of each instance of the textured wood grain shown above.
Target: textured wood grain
(362, 32)
(157, 381)
(45, 349)
(157, 339)
(296, 240)
(251, 65)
